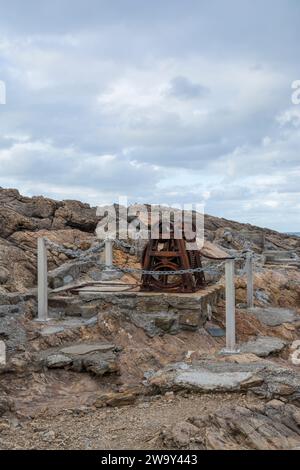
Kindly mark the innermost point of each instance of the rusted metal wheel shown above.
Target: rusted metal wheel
(169, 253)
(168, 281)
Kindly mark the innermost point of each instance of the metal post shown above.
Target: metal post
(230, 307)
(42, 281)
(2, 353)
(249, 273)
(108, 252)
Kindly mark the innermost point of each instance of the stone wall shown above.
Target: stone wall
(156, 313)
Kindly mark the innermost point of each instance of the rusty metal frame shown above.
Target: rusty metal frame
(171, 254)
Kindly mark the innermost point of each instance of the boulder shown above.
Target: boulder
(205, 377)
(52, 330)
(263, 346)
(207, 381)
(121, 398)
(57, 361)
(75, 214)
(273, 316)
(96, 358)
(100, 364)
(263, 378)
(12, 221)
(215, 331)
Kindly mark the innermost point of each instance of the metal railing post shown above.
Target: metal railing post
(42, 281)
(230, 307)
(249, 274)
(2, 353)
(108, 253)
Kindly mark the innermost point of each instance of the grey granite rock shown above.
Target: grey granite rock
(263, 378)
(56, 361)
(82, 349)
(52, 330)
(207, 381)
(272, 316)
(263, 346)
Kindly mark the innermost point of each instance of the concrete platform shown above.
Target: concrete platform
(155, 312)
(158, 313)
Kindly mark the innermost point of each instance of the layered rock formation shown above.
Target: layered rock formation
(269, 426)
(73, 223)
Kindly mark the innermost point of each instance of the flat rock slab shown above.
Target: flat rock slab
(215, 331)
(272, 316)
(212, 381)
(263, 346)
(57, 361)
(206, 377)
(263, 378)
(82, 349)
(52, 330)
(97, 358)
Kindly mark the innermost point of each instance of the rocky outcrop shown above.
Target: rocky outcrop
(273, 316)
(264, 346)
(23, 219)
(270, 426)
(97, 358)
(19, 213)
(263, 378)
(17, 267)
(75, 214)
(18, 256)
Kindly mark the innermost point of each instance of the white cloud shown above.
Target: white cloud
(155, 101)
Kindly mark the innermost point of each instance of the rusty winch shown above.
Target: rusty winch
(170, 254)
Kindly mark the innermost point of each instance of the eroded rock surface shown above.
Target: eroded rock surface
(22, 219)
(263, 346)
(97, 358)
(263, 378)
(273, 316)
(270, 426)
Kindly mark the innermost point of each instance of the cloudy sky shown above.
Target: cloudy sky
(163, 101)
